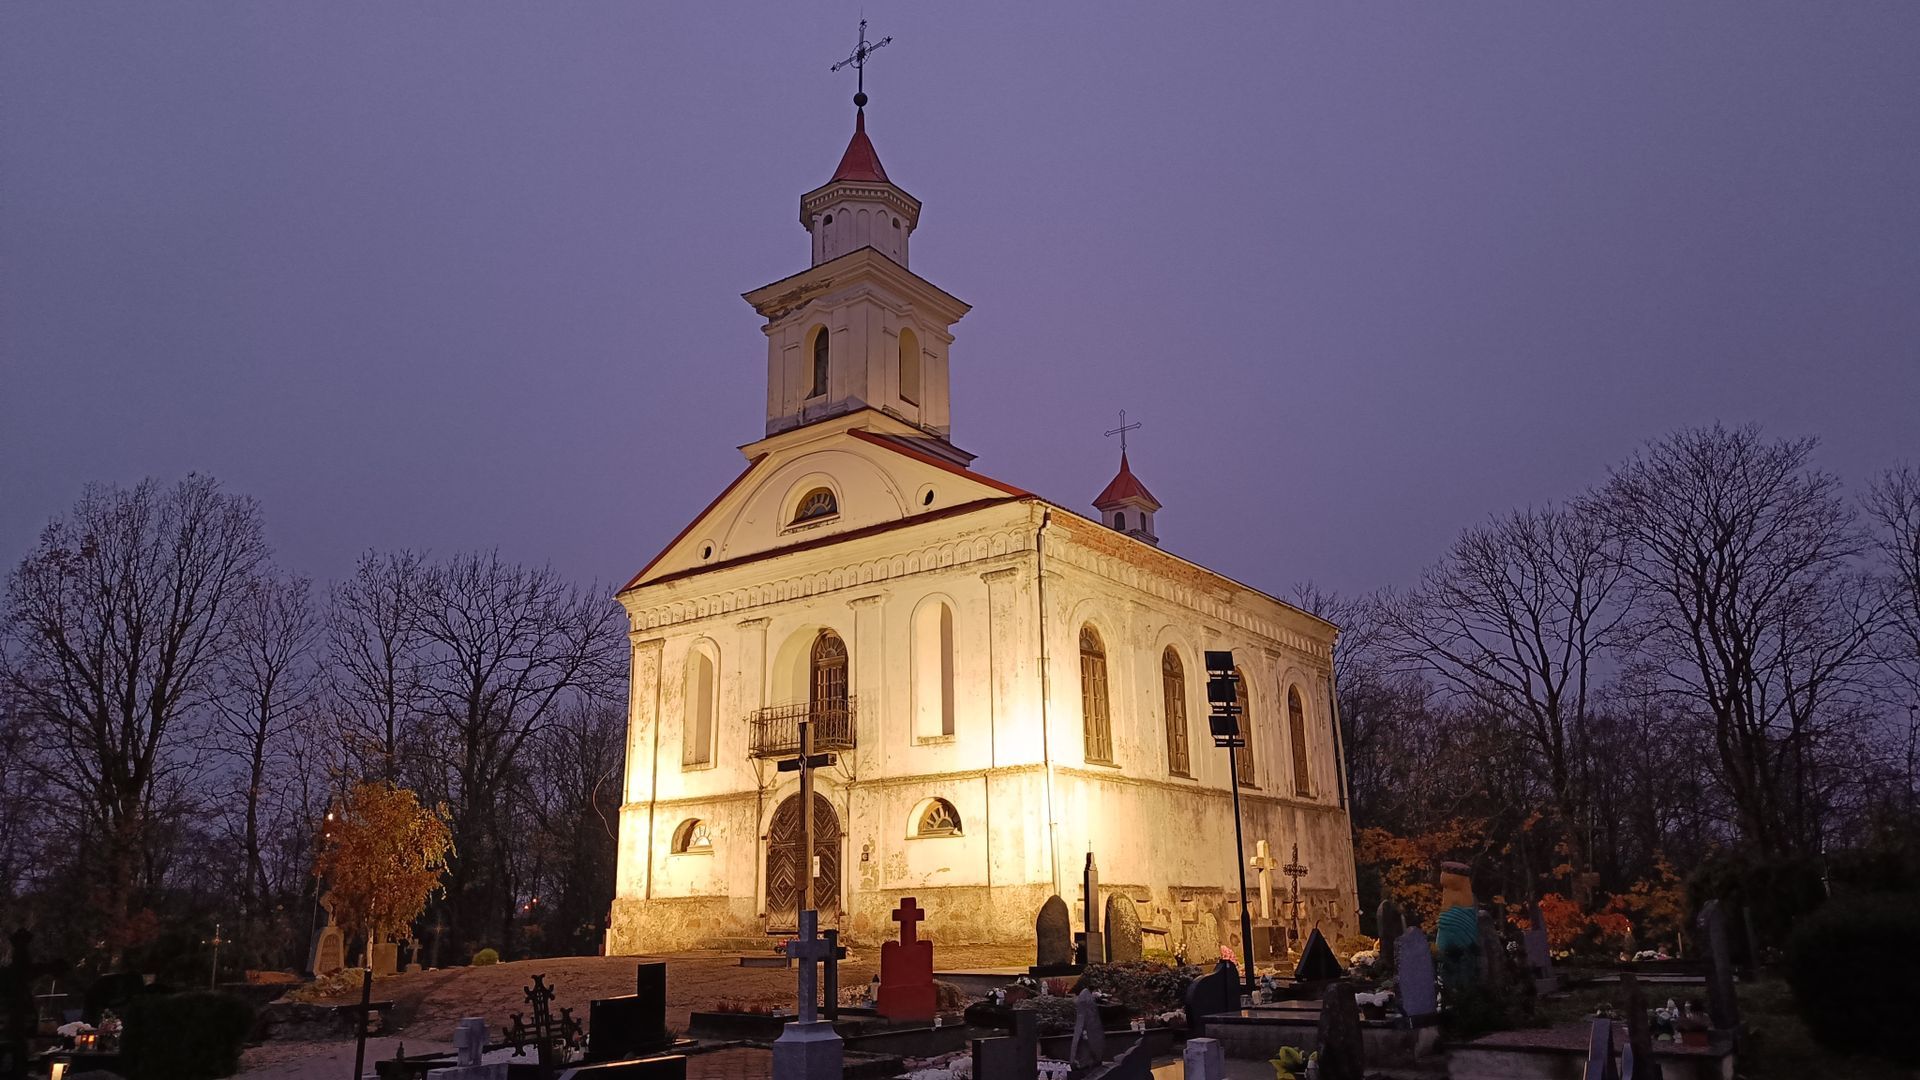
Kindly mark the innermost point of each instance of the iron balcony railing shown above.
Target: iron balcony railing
(776, 729)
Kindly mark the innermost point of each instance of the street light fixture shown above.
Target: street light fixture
(1223, 698)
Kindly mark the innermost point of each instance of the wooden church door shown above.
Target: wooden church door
(786, 866)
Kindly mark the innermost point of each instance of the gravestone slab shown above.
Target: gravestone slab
(1722, 1007)
(1216, 992)
(384, 958)
(906, 970)
(633, 1025)
(1089, 1035)
(329, 951)
(1419, 996)
(1090, 913)
(1636, 1061)
(1203, 1059)
(1600, 1063)
(1342, 1053)
(1123, 930)
(1391, 925)
(1317, 962)
(1053, 939)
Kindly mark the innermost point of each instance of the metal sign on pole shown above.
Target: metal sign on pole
(1223, 697)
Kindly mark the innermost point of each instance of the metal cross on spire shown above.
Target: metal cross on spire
(1122, 431)
(858, 58)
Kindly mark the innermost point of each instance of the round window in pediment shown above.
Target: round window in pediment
(816, 504)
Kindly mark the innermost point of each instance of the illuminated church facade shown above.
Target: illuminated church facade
(1006, 685)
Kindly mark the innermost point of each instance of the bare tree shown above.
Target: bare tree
(1515, 618)
(512, 647)
(375, 641)
(268, 683)
(1893, 504)
(1740, 556)
(116, 621)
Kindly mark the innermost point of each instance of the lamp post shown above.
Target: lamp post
(1223, 699)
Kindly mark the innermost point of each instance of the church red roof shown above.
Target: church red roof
(860, 162)
(1124, 486)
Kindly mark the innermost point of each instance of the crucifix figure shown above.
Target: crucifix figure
(858, 58)
(1265, 863)
(1122, 431)
(1296, 871)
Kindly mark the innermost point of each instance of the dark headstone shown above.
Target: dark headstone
(1217, 992)
(1418, 996)
(1123, 930)
(1600, 1063)
(631, 1026)
(1391, 925)
(1090, 913)
(1637, 1060)
(1053, 936)
(1493, 954)
(1342, 1052)
(1317, 962)
(1722, 1007)
(1001, 1057)
(1089, 1047)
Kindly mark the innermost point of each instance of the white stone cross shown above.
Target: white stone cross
(1264, 862)
(809, 949)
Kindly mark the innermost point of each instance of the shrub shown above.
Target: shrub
(192, 1036)
(485, 957)
(1850, 965)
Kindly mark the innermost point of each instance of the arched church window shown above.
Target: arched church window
(933, 670)
(692, 837)
(1093, 697)
(818, 503)
(819, 363)
(938, 819)
(1243, 754)
(1120, 520)
(909, 367)
(697, 736)
(827, 683)
(1173, 696)
(1297, 735)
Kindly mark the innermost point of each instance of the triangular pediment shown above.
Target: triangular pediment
(873, 477)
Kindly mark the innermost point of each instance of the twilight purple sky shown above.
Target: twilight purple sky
(467, 275)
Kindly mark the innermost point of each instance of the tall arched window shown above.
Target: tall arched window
(933, 670)
(1243, 754)
(909, 367)
(827, 689)
(696, 746)
(819, 363)
(1173, 697)
(1297, 736)
(1093, 697)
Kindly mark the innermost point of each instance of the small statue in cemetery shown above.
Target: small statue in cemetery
(1457, 931)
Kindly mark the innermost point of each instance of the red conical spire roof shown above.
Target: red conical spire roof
(1124, 487)
(860, 162)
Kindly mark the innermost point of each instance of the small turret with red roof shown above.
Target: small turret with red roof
(860, 207)
(1127, 506)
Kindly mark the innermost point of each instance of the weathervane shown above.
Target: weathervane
(858, 58)
(1122, 431)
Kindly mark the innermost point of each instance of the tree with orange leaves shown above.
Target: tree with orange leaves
(383, 857)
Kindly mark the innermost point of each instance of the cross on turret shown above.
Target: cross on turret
(858, 58)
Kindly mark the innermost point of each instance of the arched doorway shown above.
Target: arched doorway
(786, 869)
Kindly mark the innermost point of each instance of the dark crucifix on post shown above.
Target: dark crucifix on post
(804, 765)
(858, 60)
(1295, 870)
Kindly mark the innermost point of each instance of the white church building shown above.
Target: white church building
(1006, 684)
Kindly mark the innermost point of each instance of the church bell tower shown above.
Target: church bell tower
(858, 331)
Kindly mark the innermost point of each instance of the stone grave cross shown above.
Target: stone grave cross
(1295, 870)
(809, 949)
(1265, 863)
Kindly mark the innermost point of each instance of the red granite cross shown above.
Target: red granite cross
(908, 915)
